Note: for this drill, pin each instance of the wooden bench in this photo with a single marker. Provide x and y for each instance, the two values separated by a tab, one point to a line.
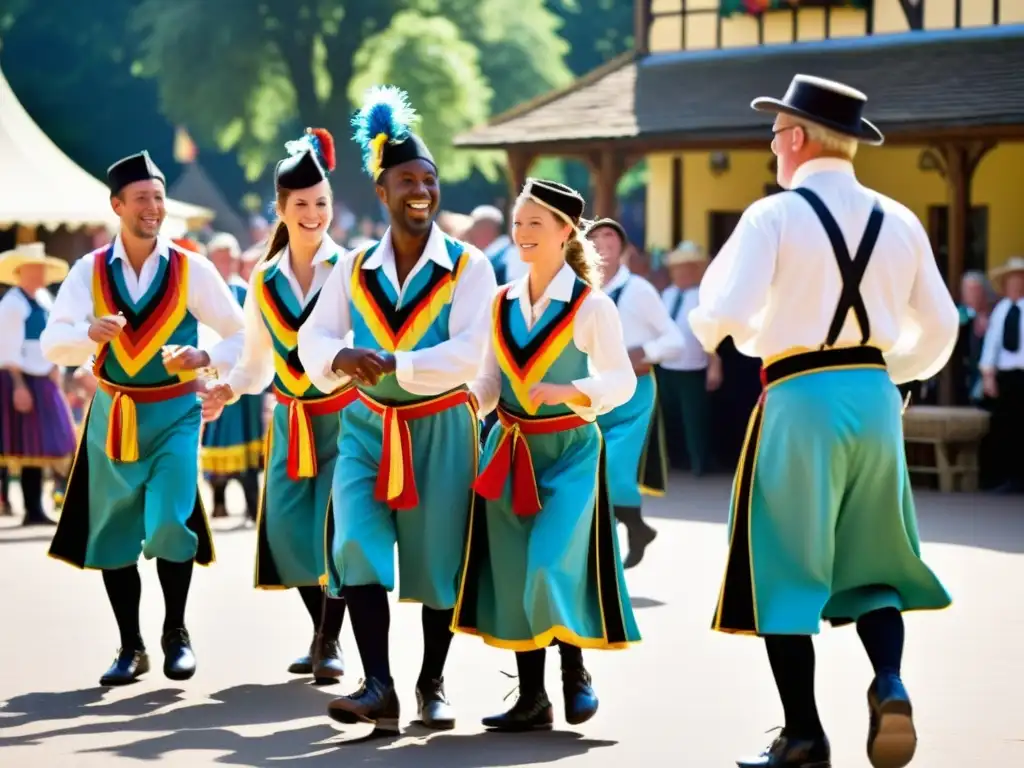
955	434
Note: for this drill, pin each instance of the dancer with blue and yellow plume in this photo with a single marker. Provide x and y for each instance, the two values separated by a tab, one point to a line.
302	441
135	307
233	442
542	563
407	319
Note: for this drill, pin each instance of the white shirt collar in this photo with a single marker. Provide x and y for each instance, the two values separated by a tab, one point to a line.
821	165
436	251
618	280
327	249
163	247
559	289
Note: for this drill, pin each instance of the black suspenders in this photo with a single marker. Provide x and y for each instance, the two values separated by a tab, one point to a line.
617	293
851	270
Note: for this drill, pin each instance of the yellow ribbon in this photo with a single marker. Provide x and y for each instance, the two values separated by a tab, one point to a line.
396	464
300	439
123	430
377	154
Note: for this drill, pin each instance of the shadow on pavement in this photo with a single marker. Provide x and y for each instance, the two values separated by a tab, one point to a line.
205	726
979	520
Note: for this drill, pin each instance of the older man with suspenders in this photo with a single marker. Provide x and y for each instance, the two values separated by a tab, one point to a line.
835	288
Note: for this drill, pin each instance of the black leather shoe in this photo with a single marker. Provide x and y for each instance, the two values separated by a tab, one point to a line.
785	752
179	660
640	537
304	664
432	705
375	702
580	700
328	661
892	739
127	667
531	712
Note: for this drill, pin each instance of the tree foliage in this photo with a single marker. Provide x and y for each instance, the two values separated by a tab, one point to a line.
428	58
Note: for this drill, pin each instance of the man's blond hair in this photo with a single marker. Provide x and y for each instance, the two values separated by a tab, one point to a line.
831	141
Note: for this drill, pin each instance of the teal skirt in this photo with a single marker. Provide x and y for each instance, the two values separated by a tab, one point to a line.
555	575
822	524
634	438
114	511
292	519
430	536
233	443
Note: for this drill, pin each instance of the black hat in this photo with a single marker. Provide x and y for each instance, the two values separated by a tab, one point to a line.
563	200
384	134
128	170
610	224
310	159
413	148
828	103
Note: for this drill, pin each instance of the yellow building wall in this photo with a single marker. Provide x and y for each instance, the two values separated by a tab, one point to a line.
667	32
893	171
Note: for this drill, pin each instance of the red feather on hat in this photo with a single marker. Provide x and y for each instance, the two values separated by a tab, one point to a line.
326	145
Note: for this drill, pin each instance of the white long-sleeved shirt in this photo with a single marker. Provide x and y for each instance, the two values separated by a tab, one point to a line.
66	338
426	372
775	285
679	303
994	357
255	369
597	332
645	321
15	350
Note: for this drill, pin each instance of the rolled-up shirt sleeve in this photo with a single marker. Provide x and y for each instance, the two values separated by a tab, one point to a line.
734	290
931	325
213	304
254	371
65	340
456	361
597	332
328	329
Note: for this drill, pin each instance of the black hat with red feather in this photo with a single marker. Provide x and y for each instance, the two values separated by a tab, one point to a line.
310	160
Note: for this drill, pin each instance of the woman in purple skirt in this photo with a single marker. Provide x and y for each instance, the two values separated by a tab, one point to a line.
35	422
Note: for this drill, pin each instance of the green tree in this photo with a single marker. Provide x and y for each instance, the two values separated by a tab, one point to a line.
427	57
246	76
596	31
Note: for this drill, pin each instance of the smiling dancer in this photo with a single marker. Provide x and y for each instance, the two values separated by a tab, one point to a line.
634	433
134	484
542	562
302	444
822	524
407	318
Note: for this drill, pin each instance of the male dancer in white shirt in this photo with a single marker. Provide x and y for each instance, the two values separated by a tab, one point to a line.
835	288
634	433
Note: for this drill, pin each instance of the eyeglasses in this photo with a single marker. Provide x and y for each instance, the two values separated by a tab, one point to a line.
783	129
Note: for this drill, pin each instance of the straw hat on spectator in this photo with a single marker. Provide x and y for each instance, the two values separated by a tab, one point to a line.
31	253
1013	264
687	252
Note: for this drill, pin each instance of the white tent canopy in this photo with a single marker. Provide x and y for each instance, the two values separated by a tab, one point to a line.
40	186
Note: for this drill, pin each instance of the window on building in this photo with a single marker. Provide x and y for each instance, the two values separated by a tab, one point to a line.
720	227
976	256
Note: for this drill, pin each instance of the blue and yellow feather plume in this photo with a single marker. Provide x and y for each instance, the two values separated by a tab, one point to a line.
385	118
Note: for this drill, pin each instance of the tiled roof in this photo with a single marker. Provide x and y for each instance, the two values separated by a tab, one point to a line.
914	82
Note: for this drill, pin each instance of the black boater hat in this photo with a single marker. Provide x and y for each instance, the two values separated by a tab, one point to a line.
413	148
558	198
128	170
310	160
828	103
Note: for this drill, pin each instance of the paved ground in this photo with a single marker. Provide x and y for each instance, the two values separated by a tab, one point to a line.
686	697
